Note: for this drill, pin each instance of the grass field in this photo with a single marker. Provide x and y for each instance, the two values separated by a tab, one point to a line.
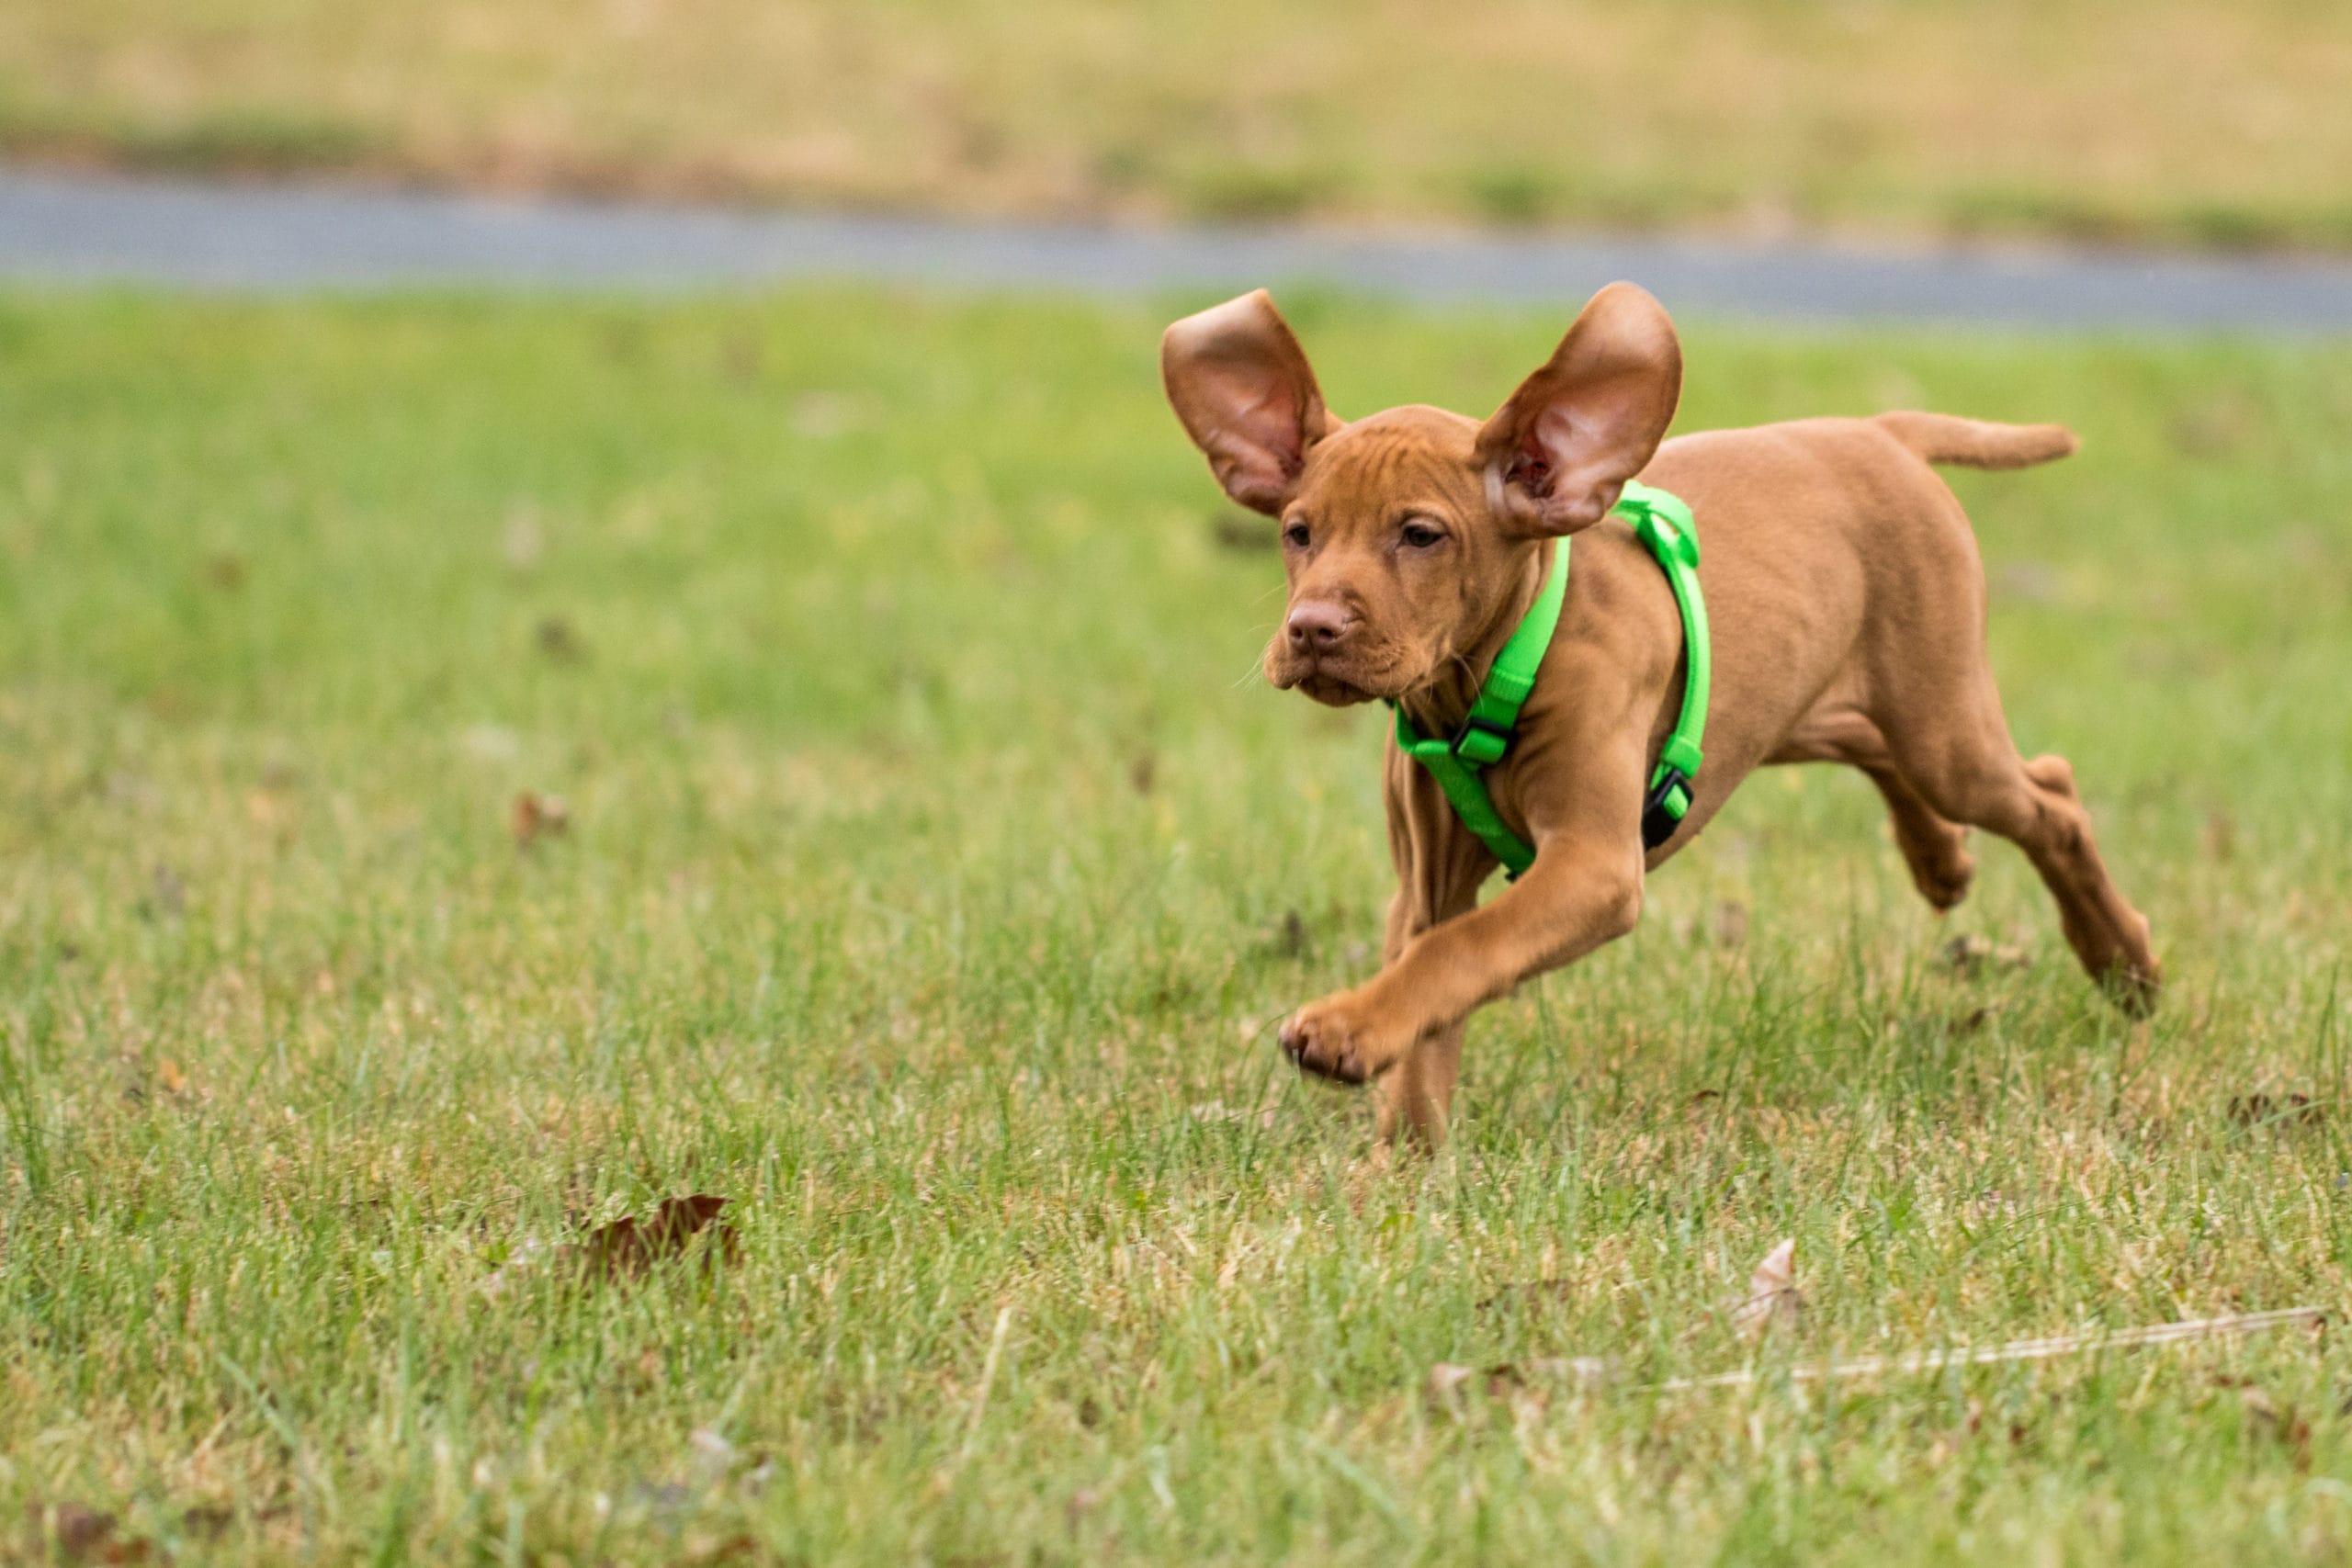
2168	119
934	863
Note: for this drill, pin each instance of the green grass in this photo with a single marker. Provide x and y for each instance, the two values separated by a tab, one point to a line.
2181	121
936	861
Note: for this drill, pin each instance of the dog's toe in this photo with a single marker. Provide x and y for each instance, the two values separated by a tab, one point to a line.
1322	1047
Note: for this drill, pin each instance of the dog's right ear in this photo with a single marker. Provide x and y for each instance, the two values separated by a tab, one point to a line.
1558	454
1242	387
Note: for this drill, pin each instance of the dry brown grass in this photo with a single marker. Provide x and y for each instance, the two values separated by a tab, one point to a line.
2164	117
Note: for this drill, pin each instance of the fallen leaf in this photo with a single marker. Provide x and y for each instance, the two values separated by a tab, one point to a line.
1772	1297
533	814
1974	955
84	1535
207	1521
1503	1379
625	1247
2267	1422
2261	1109
168	1074
1976	1018
1533	1290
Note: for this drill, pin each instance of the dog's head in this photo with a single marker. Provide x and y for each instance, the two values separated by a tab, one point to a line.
1406	534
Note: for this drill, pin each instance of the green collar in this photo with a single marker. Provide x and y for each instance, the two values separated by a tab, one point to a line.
1663	523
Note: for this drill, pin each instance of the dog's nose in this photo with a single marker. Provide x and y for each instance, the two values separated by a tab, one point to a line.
1315	626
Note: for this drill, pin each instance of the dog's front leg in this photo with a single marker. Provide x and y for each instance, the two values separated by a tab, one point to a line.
1581	892
1417	1094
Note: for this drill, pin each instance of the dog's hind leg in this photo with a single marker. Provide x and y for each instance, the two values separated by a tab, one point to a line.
1955	752
1935	848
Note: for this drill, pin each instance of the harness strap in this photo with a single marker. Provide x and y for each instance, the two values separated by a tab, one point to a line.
1664	524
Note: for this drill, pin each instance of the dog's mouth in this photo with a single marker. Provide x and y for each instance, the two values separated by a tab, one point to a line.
1332	692
1336	682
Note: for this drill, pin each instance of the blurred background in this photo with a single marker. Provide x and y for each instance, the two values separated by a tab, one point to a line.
2174	120
598	600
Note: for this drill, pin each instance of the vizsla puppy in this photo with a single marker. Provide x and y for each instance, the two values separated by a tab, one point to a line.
1848	610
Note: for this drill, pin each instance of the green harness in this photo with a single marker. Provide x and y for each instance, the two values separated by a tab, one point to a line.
1663	523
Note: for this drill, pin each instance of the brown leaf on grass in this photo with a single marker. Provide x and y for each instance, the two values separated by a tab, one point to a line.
533	814
168	1075
1448	1383
2266	1421
1974	955
82	1535
208	1521
1773	1301
627	1247
2262	1111
1531	1290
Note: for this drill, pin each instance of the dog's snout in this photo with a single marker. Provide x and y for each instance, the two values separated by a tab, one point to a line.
1317	626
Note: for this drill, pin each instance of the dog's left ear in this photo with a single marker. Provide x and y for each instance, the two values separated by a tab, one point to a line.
1559	452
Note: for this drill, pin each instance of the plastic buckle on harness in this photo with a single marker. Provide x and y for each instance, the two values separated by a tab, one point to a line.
1480	743
1667	802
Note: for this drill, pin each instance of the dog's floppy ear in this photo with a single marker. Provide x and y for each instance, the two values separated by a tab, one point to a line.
1558	453
1240	384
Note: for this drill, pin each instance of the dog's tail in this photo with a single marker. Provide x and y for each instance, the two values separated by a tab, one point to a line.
1976	443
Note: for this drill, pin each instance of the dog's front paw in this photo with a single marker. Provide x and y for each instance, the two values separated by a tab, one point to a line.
1342	1039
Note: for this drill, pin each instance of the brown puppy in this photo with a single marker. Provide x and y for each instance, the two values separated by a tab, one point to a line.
1848	611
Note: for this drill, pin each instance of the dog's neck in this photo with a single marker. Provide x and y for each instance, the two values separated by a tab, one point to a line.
1439	708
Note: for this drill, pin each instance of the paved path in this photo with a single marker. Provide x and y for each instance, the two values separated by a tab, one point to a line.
77	230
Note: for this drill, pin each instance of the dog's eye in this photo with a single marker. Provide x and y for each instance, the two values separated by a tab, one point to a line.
1419	535
1294	536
